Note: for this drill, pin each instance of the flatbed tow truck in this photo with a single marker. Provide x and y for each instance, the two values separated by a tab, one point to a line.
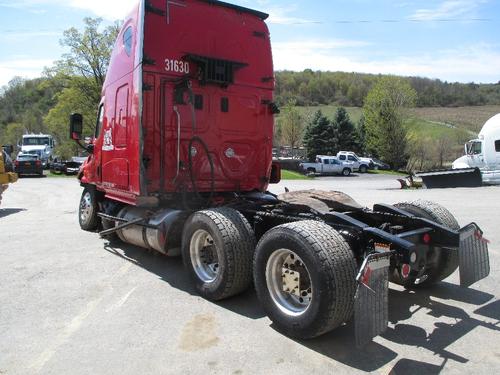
181	161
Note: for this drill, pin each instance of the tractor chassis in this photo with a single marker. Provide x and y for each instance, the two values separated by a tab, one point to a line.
384	240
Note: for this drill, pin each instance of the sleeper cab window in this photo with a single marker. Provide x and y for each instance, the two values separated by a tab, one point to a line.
128	36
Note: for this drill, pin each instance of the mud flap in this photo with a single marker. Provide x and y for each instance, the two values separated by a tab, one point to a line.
371	305
474	262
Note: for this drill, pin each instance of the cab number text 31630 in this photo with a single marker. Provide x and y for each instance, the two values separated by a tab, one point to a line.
176	66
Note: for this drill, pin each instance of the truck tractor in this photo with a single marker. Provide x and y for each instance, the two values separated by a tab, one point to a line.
181	162
7	175
41	145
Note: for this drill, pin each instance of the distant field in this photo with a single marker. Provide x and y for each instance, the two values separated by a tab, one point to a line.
462	123
469	118
429	129
434	121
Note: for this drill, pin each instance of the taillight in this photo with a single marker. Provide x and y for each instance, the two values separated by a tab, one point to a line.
17	163
427	238
38	163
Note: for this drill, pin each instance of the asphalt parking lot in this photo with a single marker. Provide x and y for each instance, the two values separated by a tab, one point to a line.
71	303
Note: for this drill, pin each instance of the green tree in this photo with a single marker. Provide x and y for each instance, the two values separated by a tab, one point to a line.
345	130
11	134
361	136
291	124
385	111
82	73
320	137
89	51
68	101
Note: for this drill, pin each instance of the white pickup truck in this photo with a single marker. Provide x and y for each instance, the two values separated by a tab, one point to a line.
328	165
359	164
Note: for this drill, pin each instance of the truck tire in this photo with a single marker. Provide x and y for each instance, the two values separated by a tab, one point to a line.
87	211
217	248
326	285
311	170
363	168
110	208
447	261
346	172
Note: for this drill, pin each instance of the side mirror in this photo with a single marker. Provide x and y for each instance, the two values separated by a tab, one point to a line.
75	126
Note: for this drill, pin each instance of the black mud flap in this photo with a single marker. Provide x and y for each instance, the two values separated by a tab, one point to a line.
371	306
473	255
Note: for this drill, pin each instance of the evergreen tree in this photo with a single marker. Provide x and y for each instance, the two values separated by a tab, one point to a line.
346	130
361	136
385	111
320	137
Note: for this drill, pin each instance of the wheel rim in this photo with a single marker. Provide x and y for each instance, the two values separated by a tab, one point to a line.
86	207
289	282
204	256
346	172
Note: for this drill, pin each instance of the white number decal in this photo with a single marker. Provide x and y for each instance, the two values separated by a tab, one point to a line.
176	66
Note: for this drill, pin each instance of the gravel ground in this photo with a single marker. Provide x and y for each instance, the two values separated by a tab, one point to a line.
70	303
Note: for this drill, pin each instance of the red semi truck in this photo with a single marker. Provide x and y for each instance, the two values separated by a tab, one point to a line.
181	161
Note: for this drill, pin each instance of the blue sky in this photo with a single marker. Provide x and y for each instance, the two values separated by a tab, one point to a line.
453	40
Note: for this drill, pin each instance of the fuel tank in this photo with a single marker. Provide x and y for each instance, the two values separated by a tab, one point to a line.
162	230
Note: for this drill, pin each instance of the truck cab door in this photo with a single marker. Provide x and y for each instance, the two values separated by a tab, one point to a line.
325	163
336	166
475	154
114	156
355	161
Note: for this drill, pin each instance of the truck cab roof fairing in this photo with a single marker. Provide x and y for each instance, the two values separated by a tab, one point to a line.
263	16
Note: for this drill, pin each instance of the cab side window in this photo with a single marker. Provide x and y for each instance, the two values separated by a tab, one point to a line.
342	157
100	119
128	36
326	161
352	158
497	146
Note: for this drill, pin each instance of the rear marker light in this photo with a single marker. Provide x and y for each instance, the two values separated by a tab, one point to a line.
405	271
480	237
427	238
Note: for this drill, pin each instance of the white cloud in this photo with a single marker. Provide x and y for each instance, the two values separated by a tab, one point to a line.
23	67
282	16
109	9
448	9
476	63
22	36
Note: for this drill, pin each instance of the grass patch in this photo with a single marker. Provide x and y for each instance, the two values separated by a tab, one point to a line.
392	173
428	129
289	175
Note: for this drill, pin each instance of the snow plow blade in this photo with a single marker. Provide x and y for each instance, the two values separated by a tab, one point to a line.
474	262
371	305
452	178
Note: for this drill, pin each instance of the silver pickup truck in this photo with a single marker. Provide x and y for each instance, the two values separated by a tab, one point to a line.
328	165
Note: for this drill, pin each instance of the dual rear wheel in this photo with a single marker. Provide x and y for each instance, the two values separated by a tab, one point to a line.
304	273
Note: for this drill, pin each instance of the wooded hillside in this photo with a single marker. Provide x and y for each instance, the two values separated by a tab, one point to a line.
310	88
